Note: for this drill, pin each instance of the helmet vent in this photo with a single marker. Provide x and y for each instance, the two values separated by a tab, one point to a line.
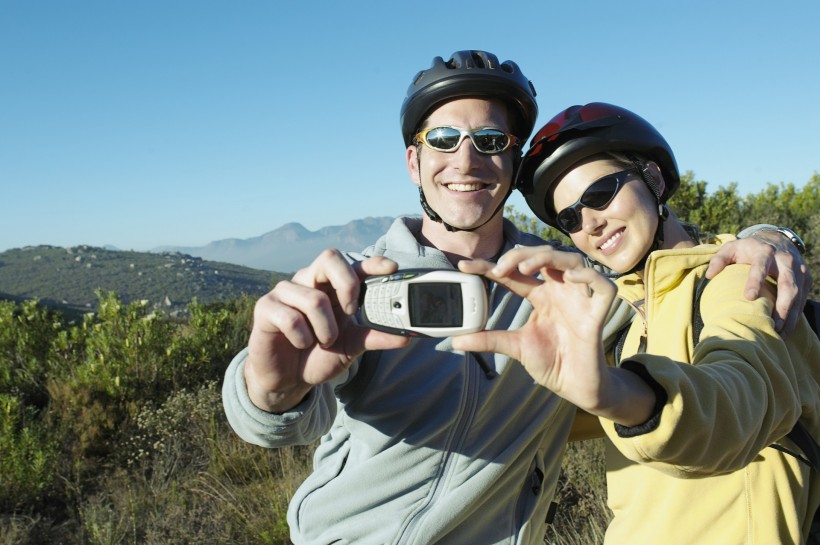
478	60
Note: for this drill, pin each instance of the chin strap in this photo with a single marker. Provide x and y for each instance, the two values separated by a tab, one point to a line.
517	158
435	217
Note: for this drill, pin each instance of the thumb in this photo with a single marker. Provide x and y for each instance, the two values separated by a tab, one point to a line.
500	342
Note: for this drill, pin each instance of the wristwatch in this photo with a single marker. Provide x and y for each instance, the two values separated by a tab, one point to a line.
793	238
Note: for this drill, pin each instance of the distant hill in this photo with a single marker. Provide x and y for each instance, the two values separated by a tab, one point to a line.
66	278
290	247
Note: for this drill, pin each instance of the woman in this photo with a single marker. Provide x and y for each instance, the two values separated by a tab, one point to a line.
689	416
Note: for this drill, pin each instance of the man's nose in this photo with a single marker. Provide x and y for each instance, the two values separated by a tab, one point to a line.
466	154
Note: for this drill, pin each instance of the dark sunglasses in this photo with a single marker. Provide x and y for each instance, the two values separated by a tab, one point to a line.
597	196
447	139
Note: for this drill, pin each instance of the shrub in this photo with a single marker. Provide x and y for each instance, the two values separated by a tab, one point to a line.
28	456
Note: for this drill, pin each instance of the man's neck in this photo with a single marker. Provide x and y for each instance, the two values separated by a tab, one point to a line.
483	243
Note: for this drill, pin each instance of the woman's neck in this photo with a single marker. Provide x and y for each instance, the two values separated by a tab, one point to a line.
675	236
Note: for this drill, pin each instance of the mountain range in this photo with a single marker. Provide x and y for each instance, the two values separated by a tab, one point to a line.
289	247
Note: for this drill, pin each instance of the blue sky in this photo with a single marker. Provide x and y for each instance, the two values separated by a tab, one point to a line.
147	123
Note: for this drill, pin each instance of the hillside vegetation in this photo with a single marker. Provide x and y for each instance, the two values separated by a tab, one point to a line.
111	424
69	278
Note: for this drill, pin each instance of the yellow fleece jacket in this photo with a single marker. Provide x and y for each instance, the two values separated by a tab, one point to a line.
701	471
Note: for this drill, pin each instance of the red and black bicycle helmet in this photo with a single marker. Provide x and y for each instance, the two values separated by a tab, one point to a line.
580	132
469	73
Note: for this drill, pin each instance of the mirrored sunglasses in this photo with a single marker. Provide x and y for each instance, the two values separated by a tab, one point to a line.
597	196
447	139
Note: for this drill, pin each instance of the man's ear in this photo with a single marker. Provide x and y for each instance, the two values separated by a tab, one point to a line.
654	171
412	157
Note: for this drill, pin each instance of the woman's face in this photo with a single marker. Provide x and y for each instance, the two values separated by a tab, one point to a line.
620	234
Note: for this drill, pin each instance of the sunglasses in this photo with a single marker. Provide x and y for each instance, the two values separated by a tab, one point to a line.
597	196
447	139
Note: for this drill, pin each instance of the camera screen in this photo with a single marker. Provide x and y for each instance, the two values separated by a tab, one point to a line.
435	304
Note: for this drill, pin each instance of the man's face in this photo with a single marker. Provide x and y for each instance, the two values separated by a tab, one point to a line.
463	187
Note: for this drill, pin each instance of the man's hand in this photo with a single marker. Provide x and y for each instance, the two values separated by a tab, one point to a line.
304	334
770	254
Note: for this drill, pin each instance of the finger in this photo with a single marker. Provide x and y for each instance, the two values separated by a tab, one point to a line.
379	340
802	279
519	284
374	266
272	317
786	311
357	339
318	270
598	284
719	262
512	258
805	280
496	341
301	313
483	268
559	260
760	265
529	260
475	266
348	293
332	273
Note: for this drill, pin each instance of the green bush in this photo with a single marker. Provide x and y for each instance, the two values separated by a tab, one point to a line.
28	456
26	333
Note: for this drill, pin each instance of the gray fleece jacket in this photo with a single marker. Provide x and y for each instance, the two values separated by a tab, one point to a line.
418	445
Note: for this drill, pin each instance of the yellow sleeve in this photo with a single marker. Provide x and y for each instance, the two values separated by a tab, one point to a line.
744	389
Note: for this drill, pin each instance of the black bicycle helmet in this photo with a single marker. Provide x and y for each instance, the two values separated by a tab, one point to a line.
469	73
580	132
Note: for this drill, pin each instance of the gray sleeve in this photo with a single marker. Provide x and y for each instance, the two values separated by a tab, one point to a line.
620	313
299	426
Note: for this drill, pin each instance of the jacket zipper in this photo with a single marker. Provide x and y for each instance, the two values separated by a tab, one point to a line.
464	419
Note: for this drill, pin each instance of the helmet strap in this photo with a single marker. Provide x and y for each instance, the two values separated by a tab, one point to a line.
435	217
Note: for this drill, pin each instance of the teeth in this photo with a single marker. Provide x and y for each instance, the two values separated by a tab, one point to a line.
611	241
464	187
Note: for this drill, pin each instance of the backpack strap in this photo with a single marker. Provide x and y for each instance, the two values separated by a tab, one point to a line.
812	313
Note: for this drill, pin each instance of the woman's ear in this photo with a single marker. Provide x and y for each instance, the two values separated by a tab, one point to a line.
412	158
653	171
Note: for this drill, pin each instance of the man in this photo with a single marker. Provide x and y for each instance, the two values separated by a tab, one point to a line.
420	443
